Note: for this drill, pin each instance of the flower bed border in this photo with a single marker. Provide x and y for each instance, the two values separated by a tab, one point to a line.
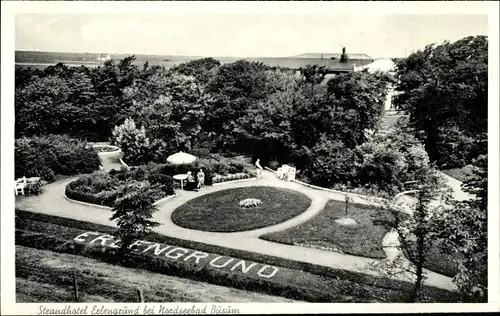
233	181
252	177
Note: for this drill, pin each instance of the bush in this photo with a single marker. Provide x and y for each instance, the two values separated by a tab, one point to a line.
165	181
274	164
103	188
47	156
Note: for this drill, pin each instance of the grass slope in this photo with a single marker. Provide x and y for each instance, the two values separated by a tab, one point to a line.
45	276
220	211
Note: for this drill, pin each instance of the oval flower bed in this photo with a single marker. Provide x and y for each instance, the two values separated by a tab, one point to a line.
103	188
105	149
221	212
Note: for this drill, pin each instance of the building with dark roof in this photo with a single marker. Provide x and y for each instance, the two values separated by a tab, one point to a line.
331	61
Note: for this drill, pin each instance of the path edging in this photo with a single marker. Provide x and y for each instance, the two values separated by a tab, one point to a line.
331	190
123	163
87	204
110	208
165	199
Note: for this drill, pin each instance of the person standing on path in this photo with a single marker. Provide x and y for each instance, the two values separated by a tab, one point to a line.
259	168
201	179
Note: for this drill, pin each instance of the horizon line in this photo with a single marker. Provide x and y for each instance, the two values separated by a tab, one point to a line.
190	55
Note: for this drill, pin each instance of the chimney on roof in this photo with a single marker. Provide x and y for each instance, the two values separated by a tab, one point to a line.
343	57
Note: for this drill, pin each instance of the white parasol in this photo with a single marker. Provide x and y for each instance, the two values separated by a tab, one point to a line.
181	158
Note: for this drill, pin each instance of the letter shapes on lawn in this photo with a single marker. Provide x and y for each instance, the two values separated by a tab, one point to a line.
212	263
178	254
197	255
267	276
244	268
80	238
103	239
157	249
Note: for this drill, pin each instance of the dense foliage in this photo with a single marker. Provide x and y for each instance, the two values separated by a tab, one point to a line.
203	107
47	156
444	88
133	213
465	230
105	188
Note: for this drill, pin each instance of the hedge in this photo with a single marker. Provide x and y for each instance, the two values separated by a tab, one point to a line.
394	290
48	156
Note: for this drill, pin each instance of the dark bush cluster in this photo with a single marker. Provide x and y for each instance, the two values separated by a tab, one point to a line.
103	188
47	156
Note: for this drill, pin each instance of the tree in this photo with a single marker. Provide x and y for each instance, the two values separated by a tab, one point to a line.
314	74
445	87
418	231
132	141
465	230
266	124
56	104
331	163
235	87
202	69
170	106
357	99
133	212
380	164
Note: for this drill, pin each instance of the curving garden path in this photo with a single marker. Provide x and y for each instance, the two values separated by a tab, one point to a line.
53	202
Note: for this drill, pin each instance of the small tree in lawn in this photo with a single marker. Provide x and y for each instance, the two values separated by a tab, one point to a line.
417	229
133	212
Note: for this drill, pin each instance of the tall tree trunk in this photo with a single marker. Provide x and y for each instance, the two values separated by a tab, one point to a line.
419	267
431	144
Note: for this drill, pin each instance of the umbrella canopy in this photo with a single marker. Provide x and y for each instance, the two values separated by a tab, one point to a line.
181	158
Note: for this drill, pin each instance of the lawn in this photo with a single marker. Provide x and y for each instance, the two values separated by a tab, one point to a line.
45	276
220	211
459	173
364	239
299	280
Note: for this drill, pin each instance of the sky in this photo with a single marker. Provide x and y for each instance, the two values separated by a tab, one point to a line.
236	35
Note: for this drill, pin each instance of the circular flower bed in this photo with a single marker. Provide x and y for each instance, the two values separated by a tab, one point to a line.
247	203
106	149
221	212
